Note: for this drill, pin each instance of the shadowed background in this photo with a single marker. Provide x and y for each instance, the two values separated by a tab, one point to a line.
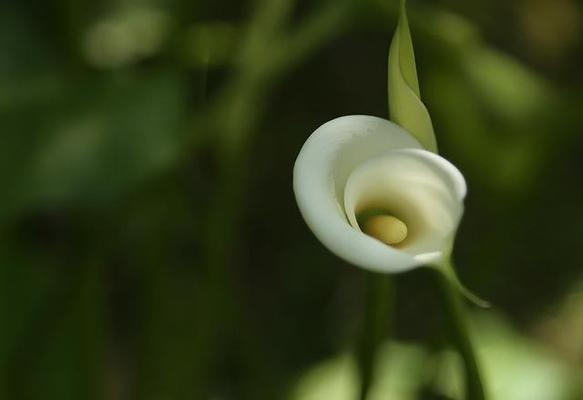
151	247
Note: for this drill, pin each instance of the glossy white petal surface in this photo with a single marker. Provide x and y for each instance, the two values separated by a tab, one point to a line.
354	163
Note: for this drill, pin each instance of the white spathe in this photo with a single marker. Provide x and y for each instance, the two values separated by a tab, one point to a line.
357	163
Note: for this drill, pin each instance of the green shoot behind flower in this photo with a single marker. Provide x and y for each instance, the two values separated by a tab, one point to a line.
405	105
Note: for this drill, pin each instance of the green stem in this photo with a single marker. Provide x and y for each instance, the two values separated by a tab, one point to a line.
375	326
458	329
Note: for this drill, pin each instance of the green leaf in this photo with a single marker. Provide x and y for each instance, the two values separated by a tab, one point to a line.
405	105
88	146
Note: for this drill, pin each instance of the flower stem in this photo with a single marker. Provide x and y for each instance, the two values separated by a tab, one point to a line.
375	326
458	330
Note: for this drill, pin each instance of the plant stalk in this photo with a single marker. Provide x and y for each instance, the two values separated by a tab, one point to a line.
460	335
375	326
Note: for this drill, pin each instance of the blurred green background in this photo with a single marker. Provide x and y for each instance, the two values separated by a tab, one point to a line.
151	247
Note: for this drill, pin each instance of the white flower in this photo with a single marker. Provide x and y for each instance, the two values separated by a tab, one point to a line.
374	197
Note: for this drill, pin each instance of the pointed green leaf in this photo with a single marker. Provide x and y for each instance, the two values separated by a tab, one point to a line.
448	270
405	105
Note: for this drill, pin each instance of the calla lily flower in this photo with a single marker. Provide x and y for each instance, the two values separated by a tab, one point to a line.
375	192
374	197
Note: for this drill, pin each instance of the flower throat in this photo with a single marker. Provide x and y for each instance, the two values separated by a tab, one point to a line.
383	226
